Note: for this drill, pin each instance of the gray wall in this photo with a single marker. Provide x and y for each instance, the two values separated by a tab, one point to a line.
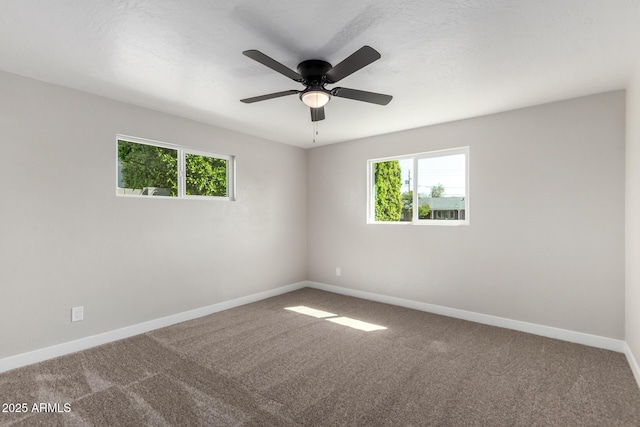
633	218
545	242
67	240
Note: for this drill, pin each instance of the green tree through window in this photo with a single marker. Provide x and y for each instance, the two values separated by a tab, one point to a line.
206	176
144	166
388	181
437	190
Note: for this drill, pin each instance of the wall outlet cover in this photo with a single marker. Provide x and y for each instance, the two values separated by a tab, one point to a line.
77	314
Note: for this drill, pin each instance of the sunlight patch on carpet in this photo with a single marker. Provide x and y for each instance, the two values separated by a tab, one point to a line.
345	321
356	324
311	311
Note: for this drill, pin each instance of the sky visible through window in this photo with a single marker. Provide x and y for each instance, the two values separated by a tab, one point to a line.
446	170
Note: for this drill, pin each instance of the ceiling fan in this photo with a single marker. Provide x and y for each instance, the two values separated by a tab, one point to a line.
315	74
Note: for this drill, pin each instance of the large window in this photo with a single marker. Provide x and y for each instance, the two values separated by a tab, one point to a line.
149	168
437	183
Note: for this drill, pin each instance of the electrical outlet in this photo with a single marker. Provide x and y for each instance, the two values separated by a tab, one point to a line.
77	314
338	271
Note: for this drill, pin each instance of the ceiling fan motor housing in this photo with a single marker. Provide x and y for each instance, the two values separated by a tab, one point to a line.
313	71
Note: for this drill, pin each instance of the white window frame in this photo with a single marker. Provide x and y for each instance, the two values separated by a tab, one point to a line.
182	179
414	187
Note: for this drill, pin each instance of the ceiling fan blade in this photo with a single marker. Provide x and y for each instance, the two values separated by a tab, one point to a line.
256	55
359	59
317	114
361	95
269	96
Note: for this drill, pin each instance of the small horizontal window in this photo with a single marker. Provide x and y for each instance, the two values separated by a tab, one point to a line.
147	168
434	182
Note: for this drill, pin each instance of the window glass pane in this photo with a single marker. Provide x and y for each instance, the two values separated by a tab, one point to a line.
205	176
147	169
406	189
393	198
442	187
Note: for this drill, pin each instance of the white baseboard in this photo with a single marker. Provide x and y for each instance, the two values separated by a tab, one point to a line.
532	328
40	355
632	362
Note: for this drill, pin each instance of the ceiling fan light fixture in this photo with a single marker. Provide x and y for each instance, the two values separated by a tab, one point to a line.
315	98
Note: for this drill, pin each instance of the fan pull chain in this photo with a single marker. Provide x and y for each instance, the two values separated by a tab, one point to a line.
315	131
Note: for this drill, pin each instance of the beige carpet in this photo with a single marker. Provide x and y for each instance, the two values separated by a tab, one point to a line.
261	364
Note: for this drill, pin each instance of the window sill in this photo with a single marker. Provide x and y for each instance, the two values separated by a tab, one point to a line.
445	223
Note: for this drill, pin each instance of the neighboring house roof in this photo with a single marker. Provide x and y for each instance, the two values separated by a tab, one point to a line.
442	203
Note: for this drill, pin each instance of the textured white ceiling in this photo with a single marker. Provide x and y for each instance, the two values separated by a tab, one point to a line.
441	60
